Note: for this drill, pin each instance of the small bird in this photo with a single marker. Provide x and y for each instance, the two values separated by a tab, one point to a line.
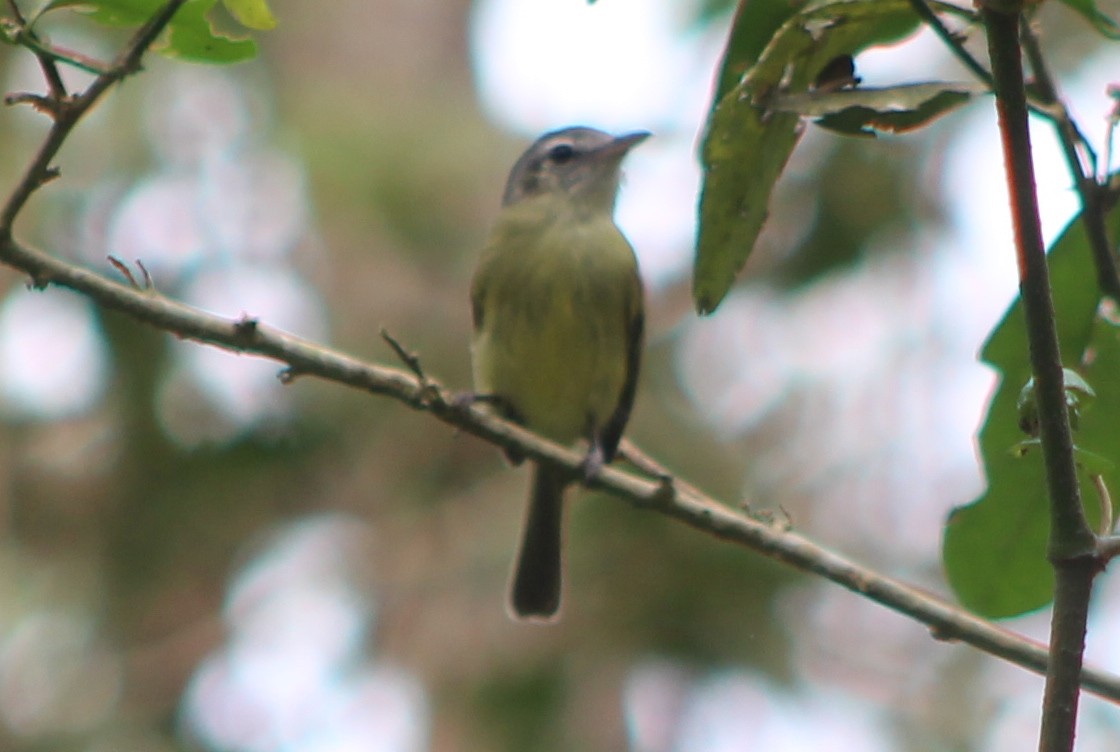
558	314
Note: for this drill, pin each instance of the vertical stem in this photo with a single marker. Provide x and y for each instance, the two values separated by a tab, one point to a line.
1073	586
1072	543
1071	535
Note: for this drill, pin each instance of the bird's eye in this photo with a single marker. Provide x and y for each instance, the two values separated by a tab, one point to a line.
561	153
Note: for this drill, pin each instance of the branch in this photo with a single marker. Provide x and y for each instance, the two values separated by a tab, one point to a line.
1072	545
665	494
301	357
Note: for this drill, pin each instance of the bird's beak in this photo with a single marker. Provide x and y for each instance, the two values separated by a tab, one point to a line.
624	143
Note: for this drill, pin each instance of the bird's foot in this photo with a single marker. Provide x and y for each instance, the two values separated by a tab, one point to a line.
592	463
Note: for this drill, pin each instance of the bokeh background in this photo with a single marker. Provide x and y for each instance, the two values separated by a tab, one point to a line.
196	557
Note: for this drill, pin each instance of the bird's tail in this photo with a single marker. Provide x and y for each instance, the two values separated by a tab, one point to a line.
537	578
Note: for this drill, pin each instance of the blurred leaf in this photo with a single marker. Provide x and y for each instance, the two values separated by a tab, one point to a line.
191	34
194	38
1104	24
253	14
893	109
637	576
708	11
860	193
995	548
748	143
743	155
112	12
517	705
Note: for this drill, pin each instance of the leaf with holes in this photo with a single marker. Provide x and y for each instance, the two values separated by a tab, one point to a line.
748	142
893	109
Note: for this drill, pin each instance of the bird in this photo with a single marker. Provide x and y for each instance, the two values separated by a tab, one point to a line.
557	307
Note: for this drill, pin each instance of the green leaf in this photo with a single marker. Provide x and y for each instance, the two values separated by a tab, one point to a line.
1092	463
253	14
994	549
748	142
1106	25
753	27
893	109
112	12
192	37
1076	383
191	34
1078	395
744	153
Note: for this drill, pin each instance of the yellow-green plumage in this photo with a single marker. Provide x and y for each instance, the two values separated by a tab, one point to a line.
558	300
558	312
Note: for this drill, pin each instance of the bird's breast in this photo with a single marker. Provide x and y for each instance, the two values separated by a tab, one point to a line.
556	321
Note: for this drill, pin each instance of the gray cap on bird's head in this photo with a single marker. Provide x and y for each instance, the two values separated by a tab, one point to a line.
581	163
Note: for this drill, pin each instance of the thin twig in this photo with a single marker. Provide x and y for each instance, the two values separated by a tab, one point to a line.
1081	161
630	452
69	110
28	38
1046	108
1105	500
148	283
1108	548
951	40
1113	116
44	104
410	359
429	392
122	267
50	54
